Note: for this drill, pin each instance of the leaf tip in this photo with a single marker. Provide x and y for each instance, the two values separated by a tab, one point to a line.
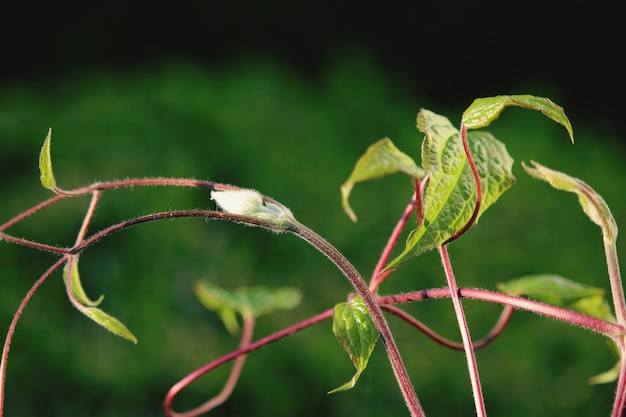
45	164
346	188
110	323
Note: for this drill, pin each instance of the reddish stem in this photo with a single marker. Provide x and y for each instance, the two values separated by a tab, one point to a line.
95	197
32	244
470	355
16	317
220	215
497	329
619	404
229	386
180	385
30	212
606	328
378	276
144	182
479	187
360	286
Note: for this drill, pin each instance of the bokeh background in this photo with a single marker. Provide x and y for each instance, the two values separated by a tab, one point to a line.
284	97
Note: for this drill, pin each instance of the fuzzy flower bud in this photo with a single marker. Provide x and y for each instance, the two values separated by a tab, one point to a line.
250	203
243	202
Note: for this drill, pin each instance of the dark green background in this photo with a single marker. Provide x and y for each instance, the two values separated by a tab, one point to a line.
263	119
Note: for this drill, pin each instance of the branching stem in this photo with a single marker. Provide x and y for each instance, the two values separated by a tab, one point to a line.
378	276
243	350
612	330
229	386
375	311
497	329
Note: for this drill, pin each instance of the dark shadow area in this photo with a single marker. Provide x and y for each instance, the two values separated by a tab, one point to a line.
450	52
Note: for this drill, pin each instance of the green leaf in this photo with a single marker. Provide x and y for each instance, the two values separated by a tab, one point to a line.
80	300
381	159
356	332
562	292
254	301
108	322
45	164
449	197
77	286
592	203
607	376
485	110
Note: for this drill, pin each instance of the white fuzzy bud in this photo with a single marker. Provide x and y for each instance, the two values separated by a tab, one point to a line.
244	202
250	203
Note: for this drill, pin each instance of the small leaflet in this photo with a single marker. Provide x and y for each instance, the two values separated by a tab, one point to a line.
45	164
357	334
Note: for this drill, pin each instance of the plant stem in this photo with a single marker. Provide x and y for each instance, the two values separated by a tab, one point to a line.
497	329
31	211
243	350
619	404
374	309
229	386
143	182
479	187
95	197
606	328
16	317
378	276
32	244
615	279
465	334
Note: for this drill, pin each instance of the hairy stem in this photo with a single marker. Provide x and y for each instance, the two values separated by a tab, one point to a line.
229	386
133	182
36	245
375	311
378	276
619	404
470	355
606	328
496	331
243	350
615	279
95	197
143	182
16	317
31	211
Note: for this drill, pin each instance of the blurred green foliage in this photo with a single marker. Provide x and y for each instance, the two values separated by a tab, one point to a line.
259	124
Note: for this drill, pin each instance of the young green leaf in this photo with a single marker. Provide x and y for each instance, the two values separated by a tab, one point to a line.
562	292
108	322
254	301
45	164
606	377
77	286
356	332
592	203
485	110
449	197
80	300
381	159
